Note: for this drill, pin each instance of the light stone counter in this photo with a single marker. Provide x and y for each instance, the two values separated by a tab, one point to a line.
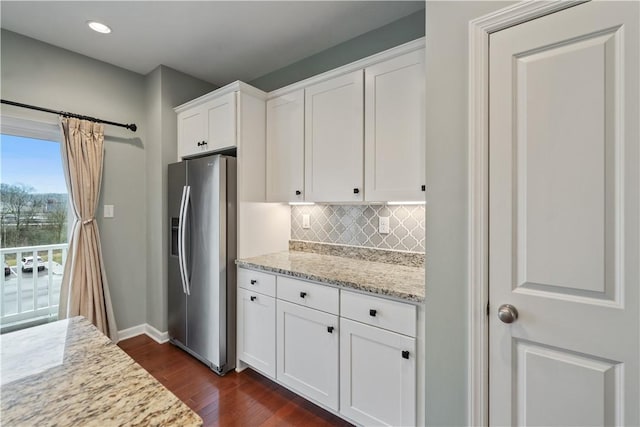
385	279
67	373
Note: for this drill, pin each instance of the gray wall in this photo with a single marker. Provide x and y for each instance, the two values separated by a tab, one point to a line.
134	177
447	210
36	73
166	88
403	30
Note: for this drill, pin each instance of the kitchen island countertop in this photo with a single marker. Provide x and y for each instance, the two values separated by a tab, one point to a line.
67	373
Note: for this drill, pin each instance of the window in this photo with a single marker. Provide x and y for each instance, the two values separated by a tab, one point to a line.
34	218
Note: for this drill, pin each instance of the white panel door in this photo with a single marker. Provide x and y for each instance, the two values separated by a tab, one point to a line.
220	114
256	338
308	352
377	375
285	148
334	139
563	218
395	129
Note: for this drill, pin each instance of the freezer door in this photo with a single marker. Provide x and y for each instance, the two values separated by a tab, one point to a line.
176	297
206	267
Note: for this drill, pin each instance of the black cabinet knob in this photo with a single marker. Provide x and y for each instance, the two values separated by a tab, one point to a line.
298	192
254	281
424	188
373	312
303	294
356	190
405	354
253	298
330	329
204	142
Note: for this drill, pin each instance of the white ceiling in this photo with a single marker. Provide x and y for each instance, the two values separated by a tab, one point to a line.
217	41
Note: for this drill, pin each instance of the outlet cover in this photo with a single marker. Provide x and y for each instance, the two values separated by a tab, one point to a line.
383	225
108	211
305	221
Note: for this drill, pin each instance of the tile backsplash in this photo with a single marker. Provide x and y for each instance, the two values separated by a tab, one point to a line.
357	225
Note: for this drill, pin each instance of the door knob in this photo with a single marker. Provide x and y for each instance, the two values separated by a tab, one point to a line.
507	313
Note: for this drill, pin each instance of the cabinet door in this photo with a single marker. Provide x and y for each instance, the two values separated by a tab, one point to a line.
257	331
191	132
395	129
285	148
334	113
220	115
377	379
308	352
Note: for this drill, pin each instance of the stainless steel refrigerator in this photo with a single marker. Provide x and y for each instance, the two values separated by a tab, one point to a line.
202	251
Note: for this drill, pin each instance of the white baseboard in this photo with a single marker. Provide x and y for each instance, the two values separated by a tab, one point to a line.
145	328
134	331
156	335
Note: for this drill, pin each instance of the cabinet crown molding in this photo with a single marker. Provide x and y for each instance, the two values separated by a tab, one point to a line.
353	66
236	86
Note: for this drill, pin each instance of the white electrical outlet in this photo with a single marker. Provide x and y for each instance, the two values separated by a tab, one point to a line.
108	211
305	221
383	224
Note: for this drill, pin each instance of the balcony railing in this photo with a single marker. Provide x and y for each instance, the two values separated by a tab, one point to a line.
31	293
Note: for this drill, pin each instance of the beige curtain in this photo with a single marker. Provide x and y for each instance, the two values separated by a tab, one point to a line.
84	288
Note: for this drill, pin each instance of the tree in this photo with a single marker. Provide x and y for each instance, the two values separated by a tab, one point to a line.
58	219
19	207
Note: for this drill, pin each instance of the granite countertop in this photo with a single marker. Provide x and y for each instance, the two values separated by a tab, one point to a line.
385	279
67	373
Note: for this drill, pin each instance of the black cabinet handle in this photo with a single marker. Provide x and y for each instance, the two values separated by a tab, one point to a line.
356	190
303	294
424	188
202	143
330	329
298	192
405	354
373	312
254	281
253	298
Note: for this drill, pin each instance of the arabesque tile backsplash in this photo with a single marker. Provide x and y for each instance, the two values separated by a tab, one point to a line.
357	225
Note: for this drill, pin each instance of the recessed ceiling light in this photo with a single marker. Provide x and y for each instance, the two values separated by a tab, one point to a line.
99	27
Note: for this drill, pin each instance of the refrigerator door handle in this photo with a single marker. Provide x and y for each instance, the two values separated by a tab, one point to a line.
187	285
180	237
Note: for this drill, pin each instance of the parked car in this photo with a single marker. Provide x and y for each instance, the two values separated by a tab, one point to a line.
7	269
27	264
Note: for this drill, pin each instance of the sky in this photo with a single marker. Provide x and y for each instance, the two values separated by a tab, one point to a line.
32	162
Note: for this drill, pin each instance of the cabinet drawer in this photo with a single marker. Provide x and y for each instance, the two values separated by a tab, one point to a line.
375	311
308	294
256	281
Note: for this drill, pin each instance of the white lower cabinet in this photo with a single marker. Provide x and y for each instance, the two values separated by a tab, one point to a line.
307	352
350	352
377	375
256	340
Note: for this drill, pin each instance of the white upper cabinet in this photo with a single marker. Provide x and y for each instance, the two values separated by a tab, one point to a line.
208	127
285	148
334	114
395	129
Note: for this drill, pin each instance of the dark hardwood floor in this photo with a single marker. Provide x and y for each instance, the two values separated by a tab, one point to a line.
237	399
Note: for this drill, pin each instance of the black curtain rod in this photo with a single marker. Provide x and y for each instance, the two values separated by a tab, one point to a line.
131	127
